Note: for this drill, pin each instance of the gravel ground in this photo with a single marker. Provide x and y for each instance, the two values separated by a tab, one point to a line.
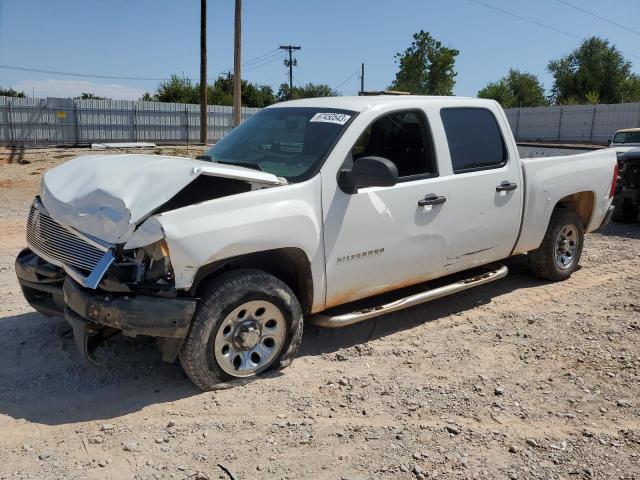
520	379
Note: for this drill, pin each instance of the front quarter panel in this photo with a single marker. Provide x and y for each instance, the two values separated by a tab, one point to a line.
288	216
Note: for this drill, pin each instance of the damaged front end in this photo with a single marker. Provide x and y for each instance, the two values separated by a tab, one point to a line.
97	254
101	289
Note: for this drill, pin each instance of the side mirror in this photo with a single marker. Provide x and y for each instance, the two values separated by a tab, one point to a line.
368	172
610	141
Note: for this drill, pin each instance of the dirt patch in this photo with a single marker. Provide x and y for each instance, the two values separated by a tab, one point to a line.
517	379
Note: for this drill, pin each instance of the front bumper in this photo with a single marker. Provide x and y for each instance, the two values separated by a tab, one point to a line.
92	313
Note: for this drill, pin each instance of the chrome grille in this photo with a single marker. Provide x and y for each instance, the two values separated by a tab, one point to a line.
51	239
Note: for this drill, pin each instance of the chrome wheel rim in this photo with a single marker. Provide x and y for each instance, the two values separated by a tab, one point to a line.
566	246
249	338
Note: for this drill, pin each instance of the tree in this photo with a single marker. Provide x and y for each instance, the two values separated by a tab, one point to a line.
517	89
310	90
220	92
426	67
500	92
631	89
175	90
89	96
10	92
596	69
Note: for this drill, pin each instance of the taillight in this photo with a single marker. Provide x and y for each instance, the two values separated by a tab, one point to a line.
614	181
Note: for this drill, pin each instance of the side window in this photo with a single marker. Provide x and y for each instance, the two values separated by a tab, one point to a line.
474	138
402	137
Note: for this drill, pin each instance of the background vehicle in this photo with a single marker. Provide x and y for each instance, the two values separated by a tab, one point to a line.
627	199
625	140
321	208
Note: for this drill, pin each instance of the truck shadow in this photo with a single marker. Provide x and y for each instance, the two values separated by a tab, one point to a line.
322	340
625	230
43	379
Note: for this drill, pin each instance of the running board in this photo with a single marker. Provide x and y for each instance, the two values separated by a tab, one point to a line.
337	321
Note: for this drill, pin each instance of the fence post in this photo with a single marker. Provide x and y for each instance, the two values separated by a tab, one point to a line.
13	133
593	123
135	122
559	125
77	121
517	135
186	124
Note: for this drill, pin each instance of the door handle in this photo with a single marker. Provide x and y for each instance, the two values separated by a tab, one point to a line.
432	199
506	187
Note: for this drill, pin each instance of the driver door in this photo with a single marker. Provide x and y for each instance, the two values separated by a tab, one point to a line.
380	238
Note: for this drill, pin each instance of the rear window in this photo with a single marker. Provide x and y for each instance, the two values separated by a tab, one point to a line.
627	137
474	138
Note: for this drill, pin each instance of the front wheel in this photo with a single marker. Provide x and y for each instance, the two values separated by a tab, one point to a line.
558	255
247	323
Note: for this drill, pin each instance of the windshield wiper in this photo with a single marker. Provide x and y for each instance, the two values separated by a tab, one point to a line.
251	165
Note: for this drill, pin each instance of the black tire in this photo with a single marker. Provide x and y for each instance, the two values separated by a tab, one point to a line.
542	261
219	298
625	213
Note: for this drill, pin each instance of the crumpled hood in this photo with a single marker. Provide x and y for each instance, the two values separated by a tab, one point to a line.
107	195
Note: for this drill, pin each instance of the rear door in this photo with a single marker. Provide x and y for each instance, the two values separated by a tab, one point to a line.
486	189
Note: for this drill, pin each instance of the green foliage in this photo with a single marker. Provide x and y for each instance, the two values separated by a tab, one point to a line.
500	92
631	89
89	96
10	92
592	98
220	92
175	90
517	89
310	90
426	67
596	69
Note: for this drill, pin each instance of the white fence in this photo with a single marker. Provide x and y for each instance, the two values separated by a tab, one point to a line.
65	121
572	123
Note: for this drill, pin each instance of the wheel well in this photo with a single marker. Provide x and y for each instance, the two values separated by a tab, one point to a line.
290	265
582	203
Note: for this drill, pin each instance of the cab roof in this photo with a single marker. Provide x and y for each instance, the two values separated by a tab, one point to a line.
361	103
629	130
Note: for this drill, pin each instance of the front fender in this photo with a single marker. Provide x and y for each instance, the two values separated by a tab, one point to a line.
266	219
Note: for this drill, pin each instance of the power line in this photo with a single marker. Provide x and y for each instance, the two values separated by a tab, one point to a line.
525	19
75	74
535	22
272	54
349	78
599	17
265	62
264	56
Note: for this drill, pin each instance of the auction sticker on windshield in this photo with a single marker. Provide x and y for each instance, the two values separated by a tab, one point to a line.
339	118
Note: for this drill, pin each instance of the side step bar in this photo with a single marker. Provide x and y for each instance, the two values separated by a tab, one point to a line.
337	321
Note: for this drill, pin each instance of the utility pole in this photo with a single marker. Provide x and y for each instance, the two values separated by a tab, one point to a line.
237	78
290	63
203	72
361	77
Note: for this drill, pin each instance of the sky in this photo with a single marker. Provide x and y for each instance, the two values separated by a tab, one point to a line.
154	38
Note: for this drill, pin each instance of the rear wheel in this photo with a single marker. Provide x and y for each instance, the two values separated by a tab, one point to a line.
559	253
247	323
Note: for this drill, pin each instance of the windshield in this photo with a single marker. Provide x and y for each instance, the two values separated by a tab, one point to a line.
289	142
627	137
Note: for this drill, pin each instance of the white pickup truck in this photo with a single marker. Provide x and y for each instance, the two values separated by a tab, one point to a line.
323	209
